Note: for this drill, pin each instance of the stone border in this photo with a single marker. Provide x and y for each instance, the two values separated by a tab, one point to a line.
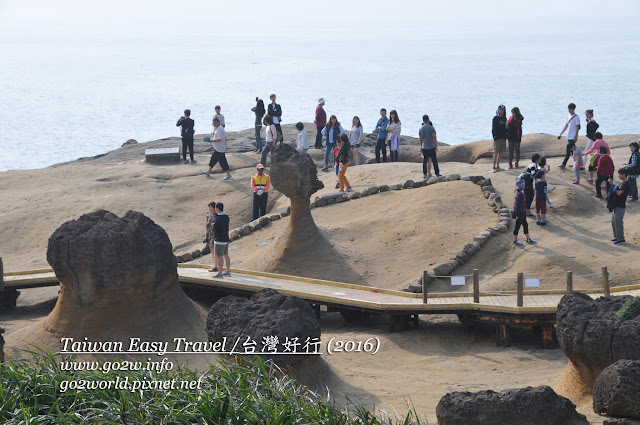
504	219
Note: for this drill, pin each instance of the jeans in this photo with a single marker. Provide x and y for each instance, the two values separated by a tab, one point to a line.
381	146
394	155
342	178
259	204
329	151
576	172
258	138
319	137
616	222
514	148
599	181
633	188
568	154
430	153
269	147
187	144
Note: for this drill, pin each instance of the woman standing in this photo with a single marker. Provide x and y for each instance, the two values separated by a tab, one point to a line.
333	130
208	234
272	138
592	127
633	169
393	135
343	163
514	135
259	111
355	138
499	130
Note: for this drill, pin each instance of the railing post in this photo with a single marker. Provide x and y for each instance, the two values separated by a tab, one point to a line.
569	282
605	281
476	286
425	280
520	289
1	276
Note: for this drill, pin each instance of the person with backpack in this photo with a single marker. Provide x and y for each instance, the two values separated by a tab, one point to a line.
604	171
187	131
633	170
514	136
519	213
528	177
573	124
592	127
616	203
499	131
259	111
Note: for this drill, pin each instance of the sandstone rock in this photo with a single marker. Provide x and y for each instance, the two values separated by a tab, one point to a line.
179	259
255	225
441	179
463	257
364	192
266	314
476	179
264	220
417	184
245	230
186	257
416	288
384	188
129	143
452	177
502	228
373	190
443	269
523	406
206	250
233	234
196	253
354	195
274	217
432	180
408	183
396	186
616	391
466	178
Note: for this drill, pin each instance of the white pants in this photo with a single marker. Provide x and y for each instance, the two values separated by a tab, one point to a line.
585	158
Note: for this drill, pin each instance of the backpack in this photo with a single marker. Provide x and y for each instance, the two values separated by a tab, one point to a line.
612	198
594	160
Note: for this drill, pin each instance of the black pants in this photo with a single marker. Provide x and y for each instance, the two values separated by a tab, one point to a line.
528	197
221	158
521	222
430	153
259	205
568	154
187	144
279	129
393	154
599	181
381	146
319	137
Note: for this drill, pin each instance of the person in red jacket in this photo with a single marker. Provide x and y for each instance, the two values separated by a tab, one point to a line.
605	171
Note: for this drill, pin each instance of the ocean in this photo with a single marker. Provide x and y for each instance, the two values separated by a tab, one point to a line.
70	98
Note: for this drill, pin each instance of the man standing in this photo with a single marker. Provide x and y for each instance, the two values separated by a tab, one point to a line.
186	131
429	147
275	112
219	141
320	122
381	142
219	116
620	191
260	184
573	124
221	240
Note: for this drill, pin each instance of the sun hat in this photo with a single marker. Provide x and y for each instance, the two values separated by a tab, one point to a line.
260	166
321	100
519	184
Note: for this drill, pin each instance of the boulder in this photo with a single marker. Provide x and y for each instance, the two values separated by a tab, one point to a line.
431	180
453	263
285	213
617	422
186	257
264	220
206	250
443	269
480	239
354	195
321	203
261	318
441	179
466	178
416	288
502	228
486	195
476	179
490	189
452	177
196	253
470	248
481	183
129	143
616	391
364	192
373	190
384	188
417	184
408	183
463	257
233	234
274	217
396	186
255	225
245	230
523	406
179	259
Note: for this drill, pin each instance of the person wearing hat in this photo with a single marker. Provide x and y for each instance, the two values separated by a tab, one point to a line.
499	130
519	213
260	184
320	122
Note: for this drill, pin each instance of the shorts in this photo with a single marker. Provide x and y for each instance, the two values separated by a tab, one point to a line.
541	206
593	167
221	250
499	145
221	158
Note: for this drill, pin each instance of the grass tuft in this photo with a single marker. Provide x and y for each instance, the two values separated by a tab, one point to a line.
630	310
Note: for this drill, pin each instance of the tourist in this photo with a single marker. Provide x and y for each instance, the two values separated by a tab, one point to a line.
428	147
547	169
343	162
541	198
617	206
528	177
303	139
593	165
499	131
320	121
633	169
381	141
208	234
356	136
221	240
259	111
219	142
336	165
519	213
393	134
592	127
595	148
275	112
260	184
333	130
573	124
514	136
218	116
604	171
186	131
271	137
577	163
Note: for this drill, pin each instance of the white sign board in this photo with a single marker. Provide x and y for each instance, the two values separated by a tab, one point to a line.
457	280
532	283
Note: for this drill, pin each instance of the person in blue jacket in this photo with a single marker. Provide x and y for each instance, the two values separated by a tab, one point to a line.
333	130
381	129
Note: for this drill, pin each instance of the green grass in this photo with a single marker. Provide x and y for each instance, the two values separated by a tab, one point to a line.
630	310
251	392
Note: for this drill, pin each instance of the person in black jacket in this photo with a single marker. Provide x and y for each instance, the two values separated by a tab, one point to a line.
592	127
275	111
259	111
499	130
221	240
514	136
343	162
186	131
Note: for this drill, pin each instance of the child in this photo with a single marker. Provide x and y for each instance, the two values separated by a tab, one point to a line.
528	177
593	166
336	150
546	168
520	214
303	139
577	163
541	201
604	171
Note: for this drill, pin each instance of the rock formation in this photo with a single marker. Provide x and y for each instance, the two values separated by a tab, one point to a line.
265	315
523	406
591	339
616	392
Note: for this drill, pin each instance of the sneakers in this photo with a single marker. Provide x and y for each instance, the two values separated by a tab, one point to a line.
562	165
425	177
218	275
538	222
550	204
633	200
545	221
590	180
325	168
576	182
517	242
226	274
599	197
337	185
614	240
622	242
206	173
531	214
531	241
517	165
193	161
510	166
349	189
186	161
227	177
213	269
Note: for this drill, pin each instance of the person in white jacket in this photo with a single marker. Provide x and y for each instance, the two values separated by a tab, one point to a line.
303	139
356	136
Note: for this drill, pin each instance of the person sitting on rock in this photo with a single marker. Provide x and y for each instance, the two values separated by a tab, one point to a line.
260	184
221	240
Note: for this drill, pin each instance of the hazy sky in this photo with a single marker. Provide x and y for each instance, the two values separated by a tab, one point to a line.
328	18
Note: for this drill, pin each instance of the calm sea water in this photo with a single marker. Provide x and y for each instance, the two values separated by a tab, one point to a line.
66	99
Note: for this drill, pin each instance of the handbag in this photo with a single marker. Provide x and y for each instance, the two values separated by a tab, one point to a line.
394	142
